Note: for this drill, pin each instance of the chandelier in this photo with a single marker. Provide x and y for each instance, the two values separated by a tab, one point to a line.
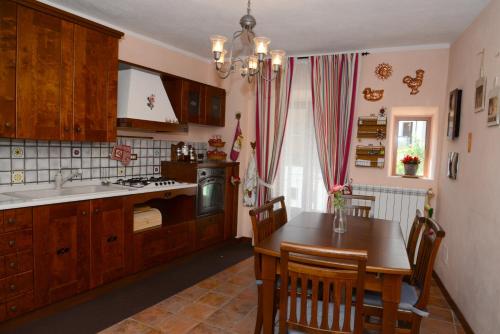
249	59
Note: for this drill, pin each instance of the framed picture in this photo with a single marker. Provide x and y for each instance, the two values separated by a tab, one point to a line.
493	103
480	95
452	165
454	108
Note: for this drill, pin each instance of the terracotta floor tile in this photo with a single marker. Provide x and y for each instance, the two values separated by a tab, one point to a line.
241	280
247	324
460	330
240	306
192	293
209	283
173	304
214	299
439	313
197	311
129	326
249	293
438	301
224	319
207	329
177	324
433	326
152	316
229	289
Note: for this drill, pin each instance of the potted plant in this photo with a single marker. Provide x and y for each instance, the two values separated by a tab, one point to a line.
410	164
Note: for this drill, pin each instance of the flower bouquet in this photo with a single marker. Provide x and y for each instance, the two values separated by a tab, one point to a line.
410	164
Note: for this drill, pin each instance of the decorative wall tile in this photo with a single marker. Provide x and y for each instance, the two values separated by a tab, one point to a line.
17	152
17	176
120	171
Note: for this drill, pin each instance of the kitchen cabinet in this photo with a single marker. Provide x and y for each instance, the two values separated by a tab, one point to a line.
58	74
215	105
111	240
61	250
195	102
95	84
231	202
8	48
209	230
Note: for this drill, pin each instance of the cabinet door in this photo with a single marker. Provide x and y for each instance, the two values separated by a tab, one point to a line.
110	241
96	73
8	46
61	250
193	99
44	76
231	203
209	230
173	86
215	106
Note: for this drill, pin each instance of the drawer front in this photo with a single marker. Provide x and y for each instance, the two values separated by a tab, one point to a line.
16	241
17	219
15	285
16	263
209	230
17	306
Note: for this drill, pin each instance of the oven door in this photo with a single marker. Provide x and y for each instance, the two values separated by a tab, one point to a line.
210	199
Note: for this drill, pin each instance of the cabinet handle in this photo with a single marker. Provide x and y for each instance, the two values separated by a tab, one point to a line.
12	243
13	308
84	213
12	287
96	210
62	251
12	264
78	129
11	221
112	238
8	125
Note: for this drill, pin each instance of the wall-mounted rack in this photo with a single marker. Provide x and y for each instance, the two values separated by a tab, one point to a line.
370	156
372	127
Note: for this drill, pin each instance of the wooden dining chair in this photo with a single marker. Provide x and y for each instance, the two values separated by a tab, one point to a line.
362	207
414	297
327	306
415	231
265	220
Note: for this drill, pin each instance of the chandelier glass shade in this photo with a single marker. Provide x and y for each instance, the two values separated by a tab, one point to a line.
249	59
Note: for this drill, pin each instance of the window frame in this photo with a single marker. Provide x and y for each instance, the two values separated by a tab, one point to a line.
427	148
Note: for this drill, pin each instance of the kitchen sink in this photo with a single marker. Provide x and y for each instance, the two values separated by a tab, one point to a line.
68	191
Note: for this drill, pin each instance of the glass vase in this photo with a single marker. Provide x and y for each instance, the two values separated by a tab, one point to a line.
340	220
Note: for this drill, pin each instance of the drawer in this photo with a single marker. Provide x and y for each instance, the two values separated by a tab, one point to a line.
16	285
209	230
16	219
16	263
16	241
16	306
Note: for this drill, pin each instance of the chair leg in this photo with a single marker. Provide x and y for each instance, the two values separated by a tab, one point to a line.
260	320
415	324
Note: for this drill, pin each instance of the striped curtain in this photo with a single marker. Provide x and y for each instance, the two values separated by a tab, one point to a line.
272	101
334	84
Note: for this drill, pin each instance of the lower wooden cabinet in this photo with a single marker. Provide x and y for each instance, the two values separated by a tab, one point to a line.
61	250
159	245
111	240
209	230
16	306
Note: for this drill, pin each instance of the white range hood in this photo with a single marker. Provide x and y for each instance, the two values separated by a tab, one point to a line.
142	96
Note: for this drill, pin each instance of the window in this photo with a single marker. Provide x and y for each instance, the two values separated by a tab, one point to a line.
411	137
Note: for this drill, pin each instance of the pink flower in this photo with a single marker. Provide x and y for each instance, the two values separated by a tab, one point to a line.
338	188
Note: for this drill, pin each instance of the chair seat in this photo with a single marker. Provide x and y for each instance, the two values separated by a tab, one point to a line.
320	313
408	299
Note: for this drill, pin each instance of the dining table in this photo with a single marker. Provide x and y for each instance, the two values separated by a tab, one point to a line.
386	266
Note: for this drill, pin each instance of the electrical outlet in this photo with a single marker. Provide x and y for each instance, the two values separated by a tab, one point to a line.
121	171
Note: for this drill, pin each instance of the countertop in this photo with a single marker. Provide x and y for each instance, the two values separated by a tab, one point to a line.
9	202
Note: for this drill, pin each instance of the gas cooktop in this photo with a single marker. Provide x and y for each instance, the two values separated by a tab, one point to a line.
141	182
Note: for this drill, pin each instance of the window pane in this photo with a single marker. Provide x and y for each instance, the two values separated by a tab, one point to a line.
411	140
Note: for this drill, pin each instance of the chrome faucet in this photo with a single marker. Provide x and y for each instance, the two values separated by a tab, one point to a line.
60	180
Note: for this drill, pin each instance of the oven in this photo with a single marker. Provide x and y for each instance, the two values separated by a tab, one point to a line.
211	187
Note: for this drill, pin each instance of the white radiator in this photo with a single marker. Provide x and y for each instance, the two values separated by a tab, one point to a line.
397	204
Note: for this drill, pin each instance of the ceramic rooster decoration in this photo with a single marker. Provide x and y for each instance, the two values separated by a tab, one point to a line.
373	95
414	83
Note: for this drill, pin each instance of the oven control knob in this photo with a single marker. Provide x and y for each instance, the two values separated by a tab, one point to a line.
156	183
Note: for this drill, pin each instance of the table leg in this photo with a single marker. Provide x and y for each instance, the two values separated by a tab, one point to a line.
391	291
268	278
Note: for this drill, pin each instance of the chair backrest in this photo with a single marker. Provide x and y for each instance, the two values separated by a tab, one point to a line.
430	241
415	230
362	207
280	215
266	220
328	308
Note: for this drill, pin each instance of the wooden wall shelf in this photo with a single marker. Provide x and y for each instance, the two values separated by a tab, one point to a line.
372	127
370	156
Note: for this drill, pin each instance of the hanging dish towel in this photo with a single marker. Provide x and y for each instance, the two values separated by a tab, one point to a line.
237	141
250	184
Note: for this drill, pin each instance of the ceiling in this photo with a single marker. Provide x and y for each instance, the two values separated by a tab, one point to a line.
297	26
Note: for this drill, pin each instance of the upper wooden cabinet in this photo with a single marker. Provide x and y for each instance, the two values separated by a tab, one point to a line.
194	102
58	74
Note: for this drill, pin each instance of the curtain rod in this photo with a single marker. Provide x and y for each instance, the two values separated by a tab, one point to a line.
362	53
